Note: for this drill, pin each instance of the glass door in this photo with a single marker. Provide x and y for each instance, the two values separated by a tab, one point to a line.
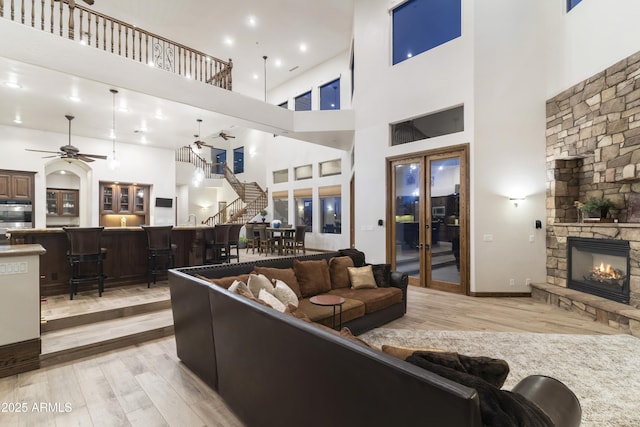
429	236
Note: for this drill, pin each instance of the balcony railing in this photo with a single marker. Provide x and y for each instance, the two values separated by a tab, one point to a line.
76	22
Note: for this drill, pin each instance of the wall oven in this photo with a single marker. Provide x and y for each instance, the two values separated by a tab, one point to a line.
15	214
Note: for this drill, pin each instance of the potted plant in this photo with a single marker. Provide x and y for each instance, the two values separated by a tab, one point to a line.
263	214
600	206
242	242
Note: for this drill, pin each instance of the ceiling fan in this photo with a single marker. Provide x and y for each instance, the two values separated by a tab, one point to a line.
224	135
198	143
69	151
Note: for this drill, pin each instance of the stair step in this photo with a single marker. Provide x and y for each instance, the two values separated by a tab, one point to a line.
80	341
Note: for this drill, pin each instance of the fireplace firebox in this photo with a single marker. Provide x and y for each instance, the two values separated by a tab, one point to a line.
599	267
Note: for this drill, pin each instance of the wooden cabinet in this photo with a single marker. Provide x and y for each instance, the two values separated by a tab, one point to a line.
123	199
16	185
62	202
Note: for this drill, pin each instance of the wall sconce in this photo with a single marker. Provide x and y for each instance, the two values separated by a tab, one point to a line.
516	200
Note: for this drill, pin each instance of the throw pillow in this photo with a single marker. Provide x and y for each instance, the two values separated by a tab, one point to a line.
238	285
224	282
339	273
287	275
247	294
270	299
257	282
346	332
313	277
362	277
382	274
285	294
293	311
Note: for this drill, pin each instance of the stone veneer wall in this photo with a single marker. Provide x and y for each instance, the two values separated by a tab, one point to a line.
557	251
593	142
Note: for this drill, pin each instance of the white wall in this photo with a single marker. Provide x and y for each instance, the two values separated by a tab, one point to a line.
138	164
384	94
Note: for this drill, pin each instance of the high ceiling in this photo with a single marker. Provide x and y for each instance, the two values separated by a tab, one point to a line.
243	30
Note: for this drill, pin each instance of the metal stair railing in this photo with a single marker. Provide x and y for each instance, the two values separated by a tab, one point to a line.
187	155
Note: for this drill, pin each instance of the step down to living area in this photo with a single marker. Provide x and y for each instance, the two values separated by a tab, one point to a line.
71	330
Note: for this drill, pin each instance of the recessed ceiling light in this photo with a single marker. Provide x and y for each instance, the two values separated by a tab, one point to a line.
74	98
143	139
159	116
228	41
63	172
13	85
303	47
255	76
278	63
252	21
17	120
123	109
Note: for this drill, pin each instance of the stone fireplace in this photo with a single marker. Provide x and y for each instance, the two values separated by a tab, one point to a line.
593	150
599	267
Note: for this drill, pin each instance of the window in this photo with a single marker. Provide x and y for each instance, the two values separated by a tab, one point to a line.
219	157
572	3
284	105
304	208
331	209
420	25
332	167
428	126
303	102
303	172
330	95
281	206
238	160
280	176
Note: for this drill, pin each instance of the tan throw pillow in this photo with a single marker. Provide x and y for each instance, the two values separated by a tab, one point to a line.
313	277
285	294
270	299
225	282
402	352
299	314
362	277
287	275
249	295
339	273
257	282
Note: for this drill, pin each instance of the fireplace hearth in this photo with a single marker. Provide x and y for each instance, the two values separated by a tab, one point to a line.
599	267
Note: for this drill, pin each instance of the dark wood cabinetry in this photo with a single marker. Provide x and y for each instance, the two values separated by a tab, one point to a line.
16	185
61	202
123	199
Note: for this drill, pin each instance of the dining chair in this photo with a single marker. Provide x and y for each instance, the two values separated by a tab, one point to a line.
296	242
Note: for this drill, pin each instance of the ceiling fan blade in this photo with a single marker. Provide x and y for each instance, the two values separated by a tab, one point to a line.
43	151
95	156
49	157
84	158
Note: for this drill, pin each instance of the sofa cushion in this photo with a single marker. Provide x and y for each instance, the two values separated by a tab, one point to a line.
382	274
339	273
351	309
287	275
238	285
361	277
258	282
285	294
313	277
373	299
271	299
225	282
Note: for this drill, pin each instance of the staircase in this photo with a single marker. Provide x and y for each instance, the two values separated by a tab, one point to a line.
251	197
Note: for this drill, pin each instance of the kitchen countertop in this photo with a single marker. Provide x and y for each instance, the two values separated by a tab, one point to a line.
110	229
20	250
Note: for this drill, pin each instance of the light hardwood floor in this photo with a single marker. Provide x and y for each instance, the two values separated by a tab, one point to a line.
146	385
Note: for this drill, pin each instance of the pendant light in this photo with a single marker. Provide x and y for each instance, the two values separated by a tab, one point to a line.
113	160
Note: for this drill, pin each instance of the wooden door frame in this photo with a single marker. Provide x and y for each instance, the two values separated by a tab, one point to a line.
465	217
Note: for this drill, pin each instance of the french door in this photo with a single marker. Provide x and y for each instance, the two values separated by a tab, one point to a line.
429	214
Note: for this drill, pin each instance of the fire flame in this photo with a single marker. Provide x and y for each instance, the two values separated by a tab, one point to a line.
606	272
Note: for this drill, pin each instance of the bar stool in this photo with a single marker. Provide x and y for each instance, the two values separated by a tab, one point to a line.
84	249
234	240
218	244
158	246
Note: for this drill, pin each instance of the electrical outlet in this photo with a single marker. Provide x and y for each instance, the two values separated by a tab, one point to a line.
512	282
532	238
488	237
527	281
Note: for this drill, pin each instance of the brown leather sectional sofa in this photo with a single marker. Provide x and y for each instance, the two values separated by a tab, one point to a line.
273	369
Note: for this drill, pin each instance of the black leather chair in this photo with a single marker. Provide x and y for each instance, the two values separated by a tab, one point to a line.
234	240
85	257
216	242
296	242
160	250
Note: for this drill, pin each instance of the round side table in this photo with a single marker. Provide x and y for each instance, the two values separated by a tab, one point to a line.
330	301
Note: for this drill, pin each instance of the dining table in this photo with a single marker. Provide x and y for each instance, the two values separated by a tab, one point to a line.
279	234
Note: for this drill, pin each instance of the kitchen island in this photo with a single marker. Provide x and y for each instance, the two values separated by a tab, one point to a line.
126	261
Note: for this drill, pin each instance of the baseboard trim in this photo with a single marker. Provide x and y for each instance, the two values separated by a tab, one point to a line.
20	357
501	294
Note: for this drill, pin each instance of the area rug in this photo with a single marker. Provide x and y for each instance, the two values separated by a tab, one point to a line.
602	370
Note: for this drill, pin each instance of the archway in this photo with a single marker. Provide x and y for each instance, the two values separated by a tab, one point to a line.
79	174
